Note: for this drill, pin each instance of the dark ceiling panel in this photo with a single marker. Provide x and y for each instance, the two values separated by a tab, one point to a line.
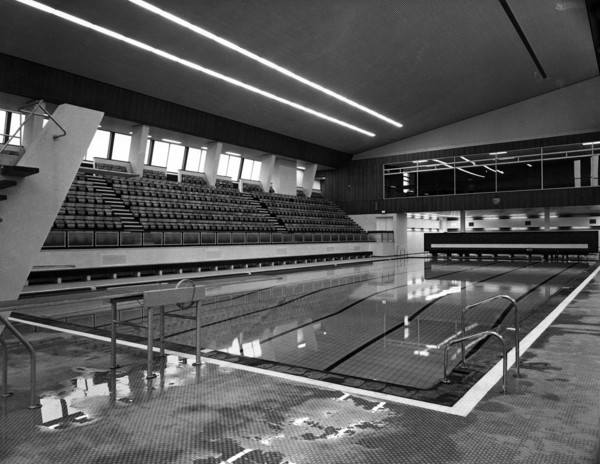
426	64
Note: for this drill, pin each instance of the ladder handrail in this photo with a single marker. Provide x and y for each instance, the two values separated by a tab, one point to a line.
517	341
479	335
38	105
34	404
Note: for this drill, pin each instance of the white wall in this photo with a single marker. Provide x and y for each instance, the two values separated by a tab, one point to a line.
570	110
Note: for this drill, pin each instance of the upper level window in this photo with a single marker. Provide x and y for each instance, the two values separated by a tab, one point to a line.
99	146
195	159
16	119
120	149
229	165
251	169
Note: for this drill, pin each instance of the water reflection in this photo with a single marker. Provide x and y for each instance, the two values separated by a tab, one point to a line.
93	393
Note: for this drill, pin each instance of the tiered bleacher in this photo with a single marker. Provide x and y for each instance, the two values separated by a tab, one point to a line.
303	214
108	206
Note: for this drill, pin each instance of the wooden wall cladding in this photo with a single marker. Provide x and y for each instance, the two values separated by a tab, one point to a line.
35	81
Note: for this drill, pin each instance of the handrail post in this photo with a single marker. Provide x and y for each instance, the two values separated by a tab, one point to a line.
5	392
461	340
513	304
34	404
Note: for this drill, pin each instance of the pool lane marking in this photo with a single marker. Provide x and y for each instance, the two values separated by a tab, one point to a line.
468	402
411	318
461	408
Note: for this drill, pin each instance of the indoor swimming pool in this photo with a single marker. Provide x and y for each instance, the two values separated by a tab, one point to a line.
383	323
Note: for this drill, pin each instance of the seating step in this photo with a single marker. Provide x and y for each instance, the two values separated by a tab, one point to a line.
18	171
7	183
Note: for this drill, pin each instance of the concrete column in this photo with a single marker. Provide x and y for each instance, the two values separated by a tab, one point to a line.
401	232
266	171
31	129
211	165
463	221
594	171
309	178
577	172
137	149
547	218
284	176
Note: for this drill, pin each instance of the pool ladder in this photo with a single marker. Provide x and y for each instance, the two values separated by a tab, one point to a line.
481	335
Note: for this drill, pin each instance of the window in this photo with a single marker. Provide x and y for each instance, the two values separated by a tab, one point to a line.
229	165
251	169
160	154
316	185
2	126
99	146
299	177
120	149
195	160
16	120
175	161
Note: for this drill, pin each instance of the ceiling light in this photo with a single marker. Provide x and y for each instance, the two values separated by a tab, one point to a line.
232	153
253	56
171	141
590	143
498	153
189	64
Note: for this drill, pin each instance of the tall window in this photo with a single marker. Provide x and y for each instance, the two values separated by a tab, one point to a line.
299	177
250	169
99	146
175	161
229	165
120	148
16	119
195	159
3	129
166	155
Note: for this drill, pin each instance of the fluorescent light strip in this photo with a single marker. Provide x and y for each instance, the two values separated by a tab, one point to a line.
171	141
460	169
590	143
189	64
255	57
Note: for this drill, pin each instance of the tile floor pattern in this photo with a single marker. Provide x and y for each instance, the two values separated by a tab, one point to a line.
551	415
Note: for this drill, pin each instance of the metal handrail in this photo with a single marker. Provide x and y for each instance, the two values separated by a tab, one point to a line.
34	404
517	342
38	105
479	335
5	392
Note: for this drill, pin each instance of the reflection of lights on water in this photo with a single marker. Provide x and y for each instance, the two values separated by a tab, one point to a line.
442	293
421	353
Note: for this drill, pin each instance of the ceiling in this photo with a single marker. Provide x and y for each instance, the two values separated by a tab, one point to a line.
425	64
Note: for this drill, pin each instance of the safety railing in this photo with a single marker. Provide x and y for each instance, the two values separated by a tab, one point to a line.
39	105
513	303
184	295
34	403
480	335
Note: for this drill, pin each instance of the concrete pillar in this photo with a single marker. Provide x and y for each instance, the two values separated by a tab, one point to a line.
137	149
31	129
309	178
463	221
211	165
284	176
266	171
401	232
594	171
547	218
577	172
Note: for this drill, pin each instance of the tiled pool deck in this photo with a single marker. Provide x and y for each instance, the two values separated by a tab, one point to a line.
550	415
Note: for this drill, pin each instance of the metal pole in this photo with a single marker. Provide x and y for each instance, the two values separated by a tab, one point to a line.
162	331
198	337
150	369
34	400
5	392
113	335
